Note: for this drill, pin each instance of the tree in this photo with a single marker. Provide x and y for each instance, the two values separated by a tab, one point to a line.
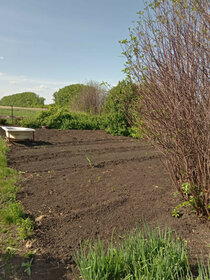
64	96
90	100
168	57
24	99
120	108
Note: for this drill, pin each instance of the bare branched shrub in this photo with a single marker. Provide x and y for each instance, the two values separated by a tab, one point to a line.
91	99
168	56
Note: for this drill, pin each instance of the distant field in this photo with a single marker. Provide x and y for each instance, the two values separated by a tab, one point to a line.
23	108
20	112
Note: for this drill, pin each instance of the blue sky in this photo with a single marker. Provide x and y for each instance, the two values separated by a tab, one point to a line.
47	44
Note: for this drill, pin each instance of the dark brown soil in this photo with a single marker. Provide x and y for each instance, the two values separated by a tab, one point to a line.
84	184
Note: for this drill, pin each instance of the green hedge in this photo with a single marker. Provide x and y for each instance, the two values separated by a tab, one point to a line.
60	118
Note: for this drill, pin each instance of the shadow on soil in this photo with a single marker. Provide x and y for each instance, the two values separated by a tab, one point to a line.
41	268
31	143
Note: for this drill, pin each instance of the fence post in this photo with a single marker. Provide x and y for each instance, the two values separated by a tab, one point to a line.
12	115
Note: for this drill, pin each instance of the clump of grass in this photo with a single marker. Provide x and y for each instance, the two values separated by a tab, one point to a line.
142	255
12	213
3	150
203	270
8	190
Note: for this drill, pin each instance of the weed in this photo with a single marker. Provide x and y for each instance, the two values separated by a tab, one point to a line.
112	188
190	200
175	194
27	266
30	254
26	228
89	161
10	251
6	259
176	212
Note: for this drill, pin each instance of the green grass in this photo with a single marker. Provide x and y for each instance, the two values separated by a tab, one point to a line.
15	226
13	221
143	255
18	114
12	213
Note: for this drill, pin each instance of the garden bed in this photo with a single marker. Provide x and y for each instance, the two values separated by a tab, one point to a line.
80	185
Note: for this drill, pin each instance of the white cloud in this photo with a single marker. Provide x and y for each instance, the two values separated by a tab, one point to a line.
11	84
43	86
1	57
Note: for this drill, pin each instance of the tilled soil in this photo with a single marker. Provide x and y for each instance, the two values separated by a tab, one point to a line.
80	185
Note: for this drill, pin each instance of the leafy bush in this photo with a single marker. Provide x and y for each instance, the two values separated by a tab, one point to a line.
24	99
141	255
60	118
120	108
64	96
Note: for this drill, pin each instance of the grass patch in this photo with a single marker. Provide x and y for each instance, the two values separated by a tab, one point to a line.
12	213
142	255
15	226
13	221
19	112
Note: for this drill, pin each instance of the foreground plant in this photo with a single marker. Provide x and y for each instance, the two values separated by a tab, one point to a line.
144	254
168	58
27	266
